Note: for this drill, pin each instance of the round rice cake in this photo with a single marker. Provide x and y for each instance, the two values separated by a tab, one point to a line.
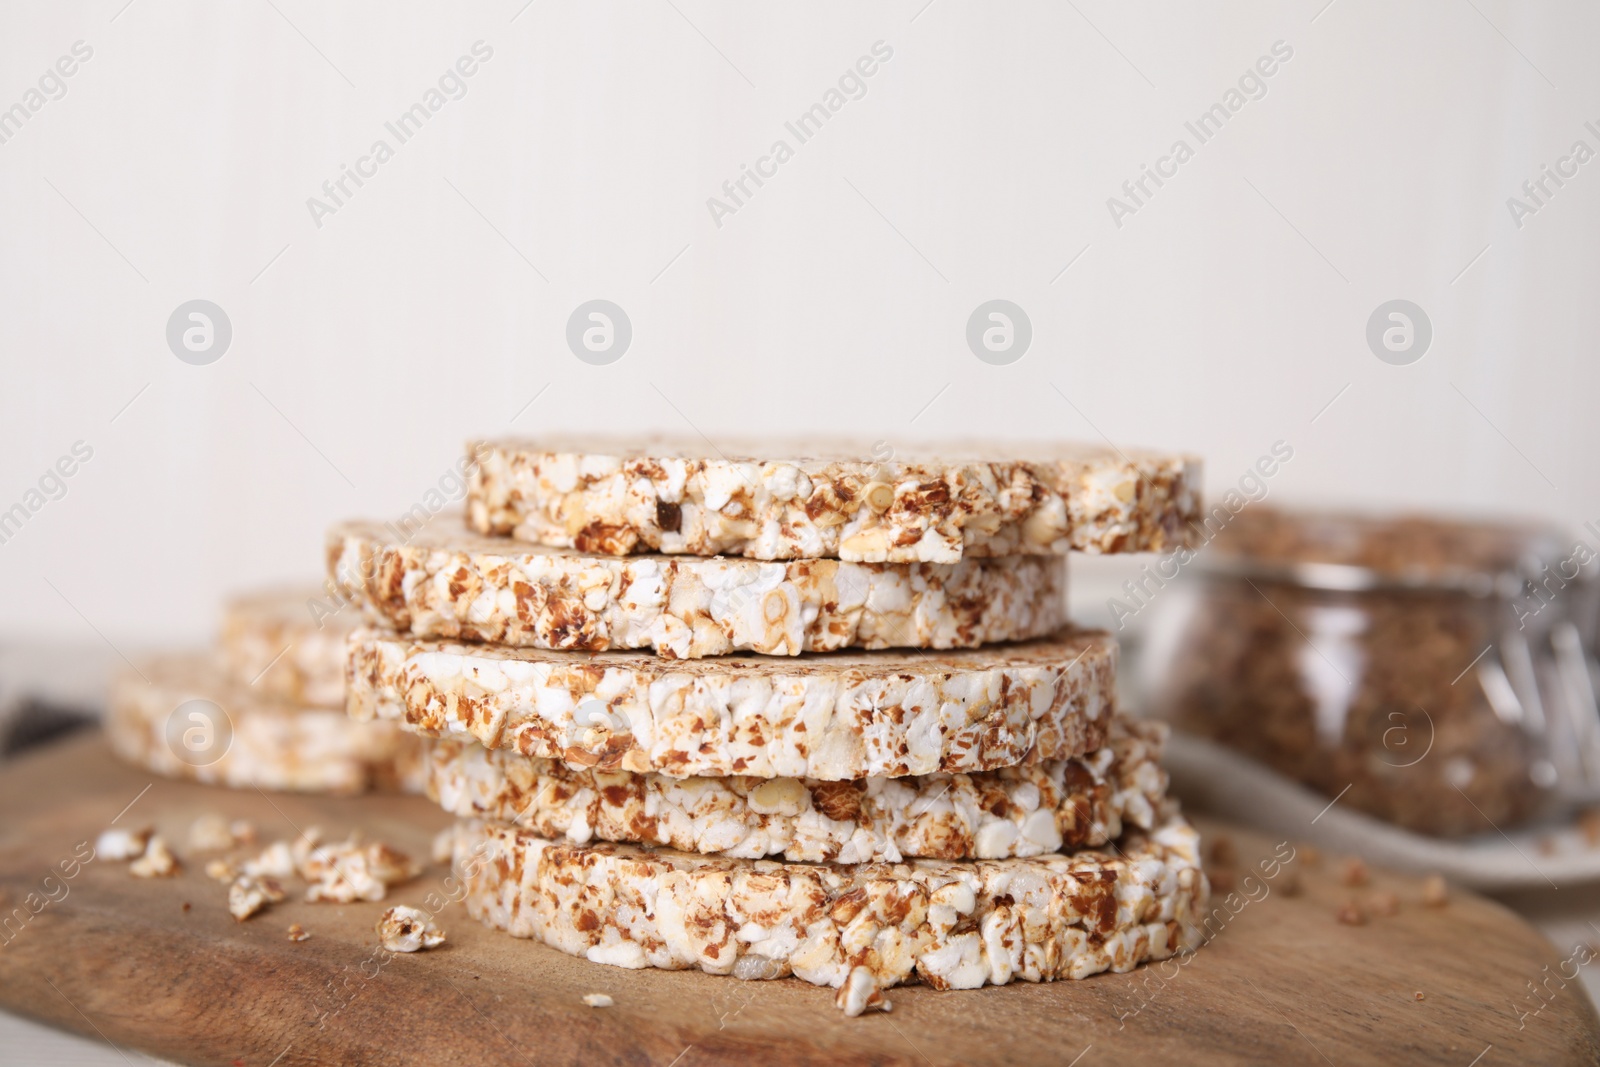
445	581
828	716
288	643
182	716
1023	811
858	929
843	500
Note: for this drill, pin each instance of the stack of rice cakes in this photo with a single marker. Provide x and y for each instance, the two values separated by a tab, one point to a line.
767	716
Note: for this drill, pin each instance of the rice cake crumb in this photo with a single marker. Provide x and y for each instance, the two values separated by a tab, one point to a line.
351	871
860	993
158	861
275	861
407	929
249	895
210	833
120	843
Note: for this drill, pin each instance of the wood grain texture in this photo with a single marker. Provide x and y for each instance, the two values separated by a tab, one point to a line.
1280	982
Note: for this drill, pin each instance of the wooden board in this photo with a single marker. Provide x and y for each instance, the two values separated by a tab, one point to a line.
1282	981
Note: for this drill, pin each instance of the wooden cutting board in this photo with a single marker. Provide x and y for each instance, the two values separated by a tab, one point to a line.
159	965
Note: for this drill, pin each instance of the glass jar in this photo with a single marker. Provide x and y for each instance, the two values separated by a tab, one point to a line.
1425	671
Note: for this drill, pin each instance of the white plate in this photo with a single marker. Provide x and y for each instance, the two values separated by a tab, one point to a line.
1217	780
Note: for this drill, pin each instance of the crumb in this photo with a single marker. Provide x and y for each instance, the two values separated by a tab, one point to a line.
1386	904
243	831
1435	893
1354	872
121	844
1221	881
306	846
210	833
860	993
221	870
249	894
298	933
352	871
186	906
598	1000
275	861
1290	885
1417	995
1350	914
1309	855
158	861
404	929
1223	852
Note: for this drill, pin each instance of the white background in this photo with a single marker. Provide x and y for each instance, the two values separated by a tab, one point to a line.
1223	316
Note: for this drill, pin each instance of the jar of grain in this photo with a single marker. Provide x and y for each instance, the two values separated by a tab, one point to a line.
1427	671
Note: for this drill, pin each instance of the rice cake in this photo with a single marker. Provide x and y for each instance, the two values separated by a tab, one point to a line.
858	929
274	641
242	738
850	501
1013	812
446	582
828	716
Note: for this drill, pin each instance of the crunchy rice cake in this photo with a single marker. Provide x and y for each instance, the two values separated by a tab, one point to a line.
273	641
447	582
842	500
1013	812
859	929
829	716
245	738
